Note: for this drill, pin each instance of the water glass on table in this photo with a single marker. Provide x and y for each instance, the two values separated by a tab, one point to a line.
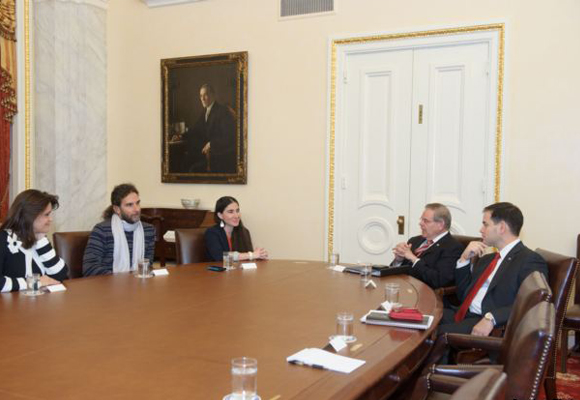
334	260
345	327
244	379
228	258
365	273
144	268
392	294
33	285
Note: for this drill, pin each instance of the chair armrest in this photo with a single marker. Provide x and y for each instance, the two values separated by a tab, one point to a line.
444	383
445	291
462	371
458	340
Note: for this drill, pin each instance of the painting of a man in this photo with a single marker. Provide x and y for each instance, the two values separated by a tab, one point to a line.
204	113
211	144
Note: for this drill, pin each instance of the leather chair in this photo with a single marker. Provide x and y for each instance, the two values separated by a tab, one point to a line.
525	363
70	246
561	273
465	240
488	385
190	246
572	317
533	290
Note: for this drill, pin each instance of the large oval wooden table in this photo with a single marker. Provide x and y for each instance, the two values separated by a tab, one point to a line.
172	337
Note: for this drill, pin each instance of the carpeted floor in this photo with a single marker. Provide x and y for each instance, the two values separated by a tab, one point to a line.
568	384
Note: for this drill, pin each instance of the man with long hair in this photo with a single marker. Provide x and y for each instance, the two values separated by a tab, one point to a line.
118	242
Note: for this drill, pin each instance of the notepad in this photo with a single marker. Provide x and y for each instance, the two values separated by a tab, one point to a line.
249	266
321	359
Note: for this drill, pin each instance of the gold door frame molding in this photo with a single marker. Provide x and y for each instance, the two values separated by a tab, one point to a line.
27	106
499	28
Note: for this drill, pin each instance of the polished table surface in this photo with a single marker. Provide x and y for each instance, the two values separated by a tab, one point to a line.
172	337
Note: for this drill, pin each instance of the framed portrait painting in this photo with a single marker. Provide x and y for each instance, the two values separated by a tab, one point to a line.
204	117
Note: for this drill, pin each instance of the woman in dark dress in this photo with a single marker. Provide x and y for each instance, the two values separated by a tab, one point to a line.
24	248
230	234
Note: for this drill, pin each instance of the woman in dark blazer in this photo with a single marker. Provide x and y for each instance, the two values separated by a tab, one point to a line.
229	234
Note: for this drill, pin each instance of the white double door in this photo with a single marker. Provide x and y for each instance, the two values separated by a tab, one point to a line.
414	129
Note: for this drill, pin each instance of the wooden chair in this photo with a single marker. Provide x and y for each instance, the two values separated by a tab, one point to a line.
190	246
571	318
70	246
561	273
526	361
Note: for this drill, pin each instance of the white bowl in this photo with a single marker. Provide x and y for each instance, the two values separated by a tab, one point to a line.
190	203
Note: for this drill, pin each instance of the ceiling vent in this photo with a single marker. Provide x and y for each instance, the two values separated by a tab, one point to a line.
296	8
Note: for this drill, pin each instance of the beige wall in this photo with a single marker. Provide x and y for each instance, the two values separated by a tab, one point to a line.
284	201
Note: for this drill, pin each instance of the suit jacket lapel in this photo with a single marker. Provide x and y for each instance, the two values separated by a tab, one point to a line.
504	266
434	245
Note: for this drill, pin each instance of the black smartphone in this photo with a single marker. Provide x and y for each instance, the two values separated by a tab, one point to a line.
216	268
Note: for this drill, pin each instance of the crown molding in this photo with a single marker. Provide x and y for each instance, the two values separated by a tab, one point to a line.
161	3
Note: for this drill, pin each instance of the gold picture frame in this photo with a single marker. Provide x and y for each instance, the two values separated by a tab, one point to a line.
204	119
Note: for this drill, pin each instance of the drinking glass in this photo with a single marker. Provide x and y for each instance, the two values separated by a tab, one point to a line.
33	284
392	294
228	258
365	273
143	269
334	259
345	327
244	379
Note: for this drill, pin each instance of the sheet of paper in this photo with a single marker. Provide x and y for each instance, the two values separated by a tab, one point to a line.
160	272
387	306
318	358
338	268
371	285
56	288
249	266
338	344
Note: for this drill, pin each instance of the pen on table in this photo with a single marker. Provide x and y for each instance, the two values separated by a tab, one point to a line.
317	366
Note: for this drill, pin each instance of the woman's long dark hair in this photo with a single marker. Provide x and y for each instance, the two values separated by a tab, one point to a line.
241	240
28	205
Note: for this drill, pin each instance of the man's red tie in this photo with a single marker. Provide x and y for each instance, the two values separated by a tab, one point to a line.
460	314
421	249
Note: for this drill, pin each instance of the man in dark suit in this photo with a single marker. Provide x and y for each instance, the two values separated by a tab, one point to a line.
434	254
212	143
488	289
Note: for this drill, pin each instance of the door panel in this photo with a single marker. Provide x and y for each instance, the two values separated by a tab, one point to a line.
378	97
448	148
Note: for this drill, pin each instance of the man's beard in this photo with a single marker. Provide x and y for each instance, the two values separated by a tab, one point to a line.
127	218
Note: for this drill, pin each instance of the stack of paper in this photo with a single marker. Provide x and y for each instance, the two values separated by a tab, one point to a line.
377	317
321	359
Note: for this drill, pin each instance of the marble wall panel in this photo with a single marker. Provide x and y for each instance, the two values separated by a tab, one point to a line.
69	86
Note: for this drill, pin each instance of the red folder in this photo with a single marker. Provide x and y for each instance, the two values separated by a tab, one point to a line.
406	314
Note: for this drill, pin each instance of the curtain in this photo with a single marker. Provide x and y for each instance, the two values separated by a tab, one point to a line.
7	94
